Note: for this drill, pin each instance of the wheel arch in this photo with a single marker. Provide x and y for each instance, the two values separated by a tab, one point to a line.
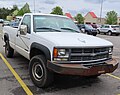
37	49
109	31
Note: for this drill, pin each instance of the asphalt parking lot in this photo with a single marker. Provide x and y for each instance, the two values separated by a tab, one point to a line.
64	85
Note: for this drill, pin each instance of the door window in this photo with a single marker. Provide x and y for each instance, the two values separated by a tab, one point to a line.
106	26
27	21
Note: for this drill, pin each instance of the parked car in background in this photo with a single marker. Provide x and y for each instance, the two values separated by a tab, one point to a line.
110	29
1	20
15	23
94	26
6	23
86	28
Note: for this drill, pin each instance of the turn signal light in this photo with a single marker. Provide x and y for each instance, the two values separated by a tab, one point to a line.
55	52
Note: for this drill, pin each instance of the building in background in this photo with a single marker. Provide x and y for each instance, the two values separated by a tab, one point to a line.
91	18
101	21
118	21
69	15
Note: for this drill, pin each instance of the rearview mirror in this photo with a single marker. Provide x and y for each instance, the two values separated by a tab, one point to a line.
23	29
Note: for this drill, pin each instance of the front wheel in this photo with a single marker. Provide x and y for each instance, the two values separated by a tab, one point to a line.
9	51
94	34
39	73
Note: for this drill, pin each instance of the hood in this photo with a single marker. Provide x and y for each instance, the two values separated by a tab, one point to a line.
64	39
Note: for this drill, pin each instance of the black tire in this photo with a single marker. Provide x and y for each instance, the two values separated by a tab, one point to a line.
109	33
117	34
9	52
39	73
104	33
87	32
94	34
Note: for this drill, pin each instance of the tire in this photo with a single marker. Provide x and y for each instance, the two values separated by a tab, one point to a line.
87	32
94	34
109	33
39	73
9	52
104	33
117	34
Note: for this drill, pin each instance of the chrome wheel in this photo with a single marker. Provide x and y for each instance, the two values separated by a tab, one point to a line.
109	33
37	71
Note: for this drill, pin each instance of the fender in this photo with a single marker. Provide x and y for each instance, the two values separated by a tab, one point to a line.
42	48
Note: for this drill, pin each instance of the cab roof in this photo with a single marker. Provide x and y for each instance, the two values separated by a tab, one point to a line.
46	14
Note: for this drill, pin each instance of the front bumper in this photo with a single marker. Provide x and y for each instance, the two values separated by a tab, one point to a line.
79	69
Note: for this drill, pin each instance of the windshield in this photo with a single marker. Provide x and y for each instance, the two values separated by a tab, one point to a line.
53	23
89	27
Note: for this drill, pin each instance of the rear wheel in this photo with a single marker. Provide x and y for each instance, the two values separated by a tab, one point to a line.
109	33
39	73
9	51
104	33
117	34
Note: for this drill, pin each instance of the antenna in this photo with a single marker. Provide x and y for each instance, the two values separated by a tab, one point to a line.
101	10
34	6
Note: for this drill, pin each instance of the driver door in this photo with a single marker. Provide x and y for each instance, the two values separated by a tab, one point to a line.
23	40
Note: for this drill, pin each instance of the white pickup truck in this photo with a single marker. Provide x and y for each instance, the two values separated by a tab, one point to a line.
53	44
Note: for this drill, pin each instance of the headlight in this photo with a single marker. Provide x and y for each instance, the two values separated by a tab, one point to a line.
110	49
110	52
60	54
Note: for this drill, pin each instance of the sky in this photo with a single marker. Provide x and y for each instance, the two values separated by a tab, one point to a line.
71	6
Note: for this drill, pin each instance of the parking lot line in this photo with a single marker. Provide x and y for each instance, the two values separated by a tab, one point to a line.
26	89
118	78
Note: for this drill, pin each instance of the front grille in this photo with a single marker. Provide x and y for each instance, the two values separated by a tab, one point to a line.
93	31
89	54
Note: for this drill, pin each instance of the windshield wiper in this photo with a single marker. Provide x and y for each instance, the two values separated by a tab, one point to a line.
49	28
70	29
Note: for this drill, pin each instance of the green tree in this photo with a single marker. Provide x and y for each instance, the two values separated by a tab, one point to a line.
24	9
57	10
79	18
111	18
4	12
15	7
14	10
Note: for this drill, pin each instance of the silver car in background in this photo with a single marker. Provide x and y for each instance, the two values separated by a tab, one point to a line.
110	29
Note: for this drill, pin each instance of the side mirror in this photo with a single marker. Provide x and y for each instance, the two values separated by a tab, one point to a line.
23	29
